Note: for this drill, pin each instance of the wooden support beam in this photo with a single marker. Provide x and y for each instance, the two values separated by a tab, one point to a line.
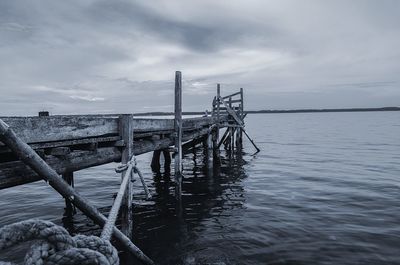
232	113
231	95
178	133
60	151
223	137
126	133
252	142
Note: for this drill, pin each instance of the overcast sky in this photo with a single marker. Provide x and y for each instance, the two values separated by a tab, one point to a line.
88	56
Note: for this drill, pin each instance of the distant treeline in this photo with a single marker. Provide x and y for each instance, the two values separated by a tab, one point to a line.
276	111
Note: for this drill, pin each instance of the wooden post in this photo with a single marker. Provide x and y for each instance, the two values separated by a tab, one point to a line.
218	102
69	207
167	160
241	115
232	143
209	150
216	134
238	140
155	161
178	134
215	145
126	133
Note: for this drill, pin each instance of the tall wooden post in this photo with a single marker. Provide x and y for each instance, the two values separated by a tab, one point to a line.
241	115
178	133
218	102
126	133
216	132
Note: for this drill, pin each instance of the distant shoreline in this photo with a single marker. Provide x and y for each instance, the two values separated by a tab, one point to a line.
278	111
325	110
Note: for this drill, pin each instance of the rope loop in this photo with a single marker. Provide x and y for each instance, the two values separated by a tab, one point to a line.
122	167
54	245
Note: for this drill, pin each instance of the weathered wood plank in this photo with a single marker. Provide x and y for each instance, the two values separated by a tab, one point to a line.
233	113
68	128
231	95
54	128
235	101
4	149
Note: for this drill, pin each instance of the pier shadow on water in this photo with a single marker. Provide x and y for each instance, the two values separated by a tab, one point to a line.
189	231
178	232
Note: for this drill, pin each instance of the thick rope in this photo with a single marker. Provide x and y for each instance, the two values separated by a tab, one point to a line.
112	216
122	167
56	246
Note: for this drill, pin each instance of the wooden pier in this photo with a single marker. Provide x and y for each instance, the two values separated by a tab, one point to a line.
64	144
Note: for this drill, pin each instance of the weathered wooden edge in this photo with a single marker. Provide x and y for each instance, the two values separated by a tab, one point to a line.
52	129
16	173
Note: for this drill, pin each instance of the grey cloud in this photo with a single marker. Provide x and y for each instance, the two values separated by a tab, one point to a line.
120	56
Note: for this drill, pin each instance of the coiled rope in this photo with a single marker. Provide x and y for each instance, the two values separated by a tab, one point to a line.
56	246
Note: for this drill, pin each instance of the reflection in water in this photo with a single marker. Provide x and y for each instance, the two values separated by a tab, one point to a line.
163	228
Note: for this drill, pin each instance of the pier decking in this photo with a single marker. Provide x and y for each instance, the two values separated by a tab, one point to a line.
68	143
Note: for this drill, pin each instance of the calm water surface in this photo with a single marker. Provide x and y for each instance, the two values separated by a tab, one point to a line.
324	189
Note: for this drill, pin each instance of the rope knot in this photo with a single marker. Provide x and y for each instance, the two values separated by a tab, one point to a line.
56	246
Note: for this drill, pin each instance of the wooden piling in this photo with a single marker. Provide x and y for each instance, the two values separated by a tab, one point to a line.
218	103
126	134
216	131
178	134
155	161
167	160
215	149
209	150
69	207
241	106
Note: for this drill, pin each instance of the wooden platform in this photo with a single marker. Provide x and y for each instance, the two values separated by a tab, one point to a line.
71	143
